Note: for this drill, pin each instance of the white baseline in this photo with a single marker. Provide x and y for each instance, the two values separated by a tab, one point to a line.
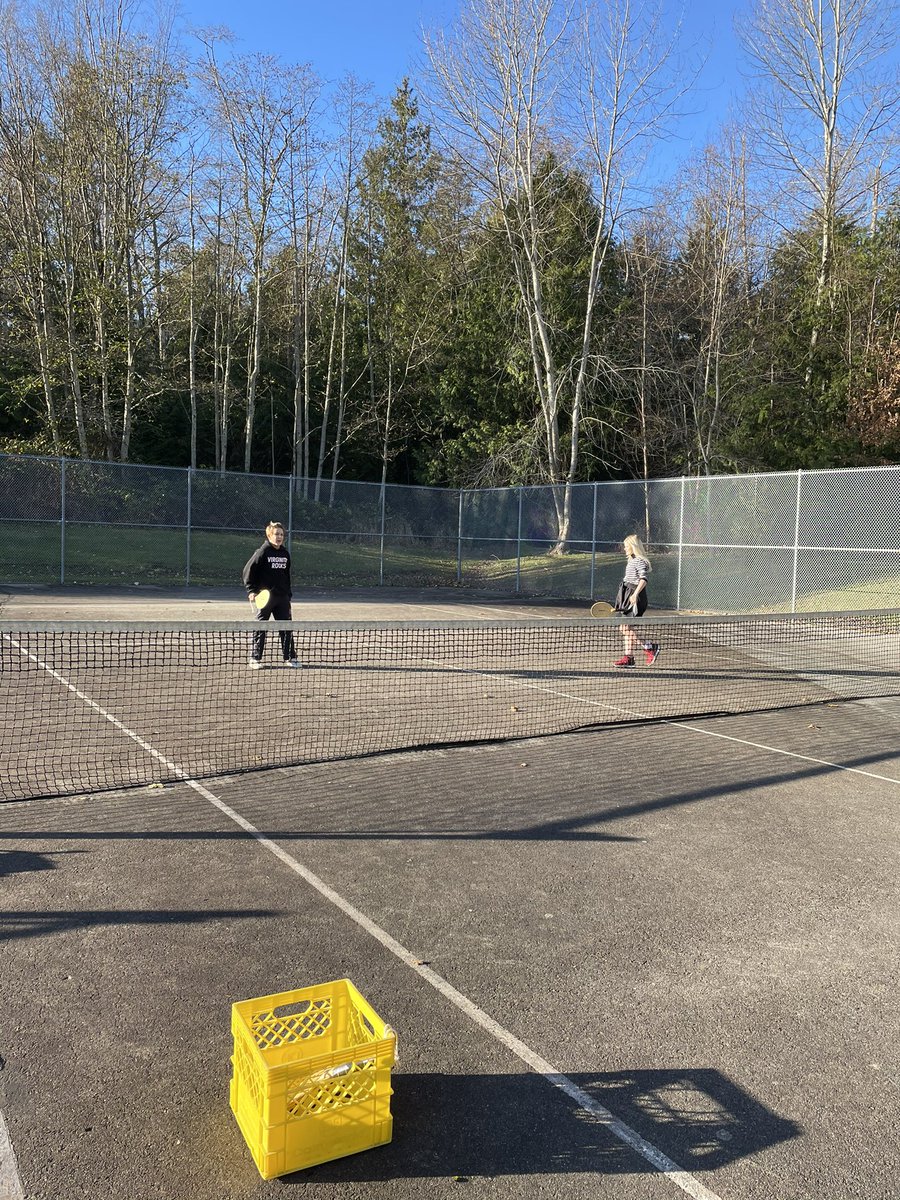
10	1183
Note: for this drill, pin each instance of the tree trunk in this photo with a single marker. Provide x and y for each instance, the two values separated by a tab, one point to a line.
326	407
255	348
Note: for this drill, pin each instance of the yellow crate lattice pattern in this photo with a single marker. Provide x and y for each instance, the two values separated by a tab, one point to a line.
314	1021
360	1030
311	1077
248	1077
310	1095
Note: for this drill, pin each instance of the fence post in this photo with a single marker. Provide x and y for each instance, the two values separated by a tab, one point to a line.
459	537
796	544
680	546
290	528
381	545
62	520
593	544
519	544
187	553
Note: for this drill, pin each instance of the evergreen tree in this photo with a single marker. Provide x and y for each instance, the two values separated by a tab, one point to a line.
397	276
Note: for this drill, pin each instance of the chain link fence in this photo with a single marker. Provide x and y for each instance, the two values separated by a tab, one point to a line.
795	541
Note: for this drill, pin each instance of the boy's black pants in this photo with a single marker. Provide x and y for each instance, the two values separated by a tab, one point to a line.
279	609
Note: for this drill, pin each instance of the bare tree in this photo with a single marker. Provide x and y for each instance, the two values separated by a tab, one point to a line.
23	219
353	111
647	256
119	82
306	214
515	78
715	255
40	146
827	108
221	218
255	99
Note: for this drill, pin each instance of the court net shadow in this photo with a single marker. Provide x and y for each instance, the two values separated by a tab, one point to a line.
468	1126
22	924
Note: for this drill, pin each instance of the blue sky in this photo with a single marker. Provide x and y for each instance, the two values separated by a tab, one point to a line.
379	41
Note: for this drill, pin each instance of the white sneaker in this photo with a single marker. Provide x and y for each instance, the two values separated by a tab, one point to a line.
292	662
254	664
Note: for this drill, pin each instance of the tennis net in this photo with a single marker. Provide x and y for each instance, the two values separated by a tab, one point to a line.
97	706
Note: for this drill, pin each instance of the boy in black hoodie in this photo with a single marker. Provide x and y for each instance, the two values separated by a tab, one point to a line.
270	569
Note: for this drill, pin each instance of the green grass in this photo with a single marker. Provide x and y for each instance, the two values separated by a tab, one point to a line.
127	555
118	556
877	594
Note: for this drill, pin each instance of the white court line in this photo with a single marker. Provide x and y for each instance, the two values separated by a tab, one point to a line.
464	610
822	762
630	1137
10	1183
688	727
515	682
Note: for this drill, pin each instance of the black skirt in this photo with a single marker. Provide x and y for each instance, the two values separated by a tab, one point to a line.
623	600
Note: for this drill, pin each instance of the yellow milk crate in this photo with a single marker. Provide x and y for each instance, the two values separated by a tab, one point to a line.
312	1076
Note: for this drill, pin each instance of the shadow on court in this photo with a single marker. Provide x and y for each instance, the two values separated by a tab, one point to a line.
736	912
40	924
424	810
20	862
456	1126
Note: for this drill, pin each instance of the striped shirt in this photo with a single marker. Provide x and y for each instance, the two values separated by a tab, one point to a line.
637	569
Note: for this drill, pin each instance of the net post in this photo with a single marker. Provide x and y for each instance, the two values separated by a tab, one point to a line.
796	543
593	543
62	520
680	546
459	537
187	549
519	545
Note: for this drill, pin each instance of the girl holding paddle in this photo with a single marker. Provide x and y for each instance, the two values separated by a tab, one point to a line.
631	599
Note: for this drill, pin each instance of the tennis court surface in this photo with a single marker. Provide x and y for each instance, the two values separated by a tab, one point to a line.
645	959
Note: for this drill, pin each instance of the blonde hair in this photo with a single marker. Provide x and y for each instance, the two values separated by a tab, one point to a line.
634	548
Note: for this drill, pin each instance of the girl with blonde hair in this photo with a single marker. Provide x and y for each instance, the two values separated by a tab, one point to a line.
632	599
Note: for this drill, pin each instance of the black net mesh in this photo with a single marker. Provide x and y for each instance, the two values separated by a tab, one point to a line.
88	706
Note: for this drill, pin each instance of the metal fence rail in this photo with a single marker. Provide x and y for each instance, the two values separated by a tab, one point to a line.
792	541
